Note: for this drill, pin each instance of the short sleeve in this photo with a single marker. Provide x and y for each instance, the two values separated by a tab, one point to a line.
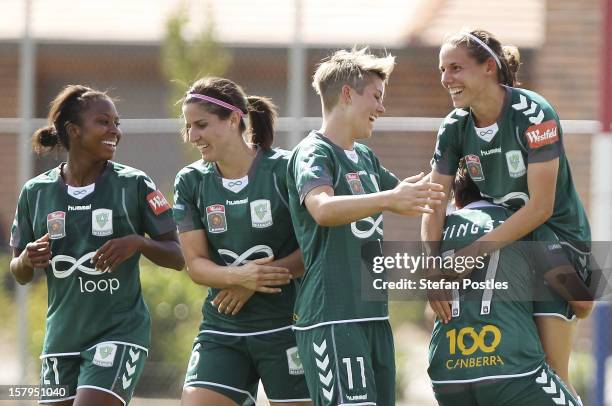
542	134
185	209
448	151
311	168
280	179
388	180
156	213
22	231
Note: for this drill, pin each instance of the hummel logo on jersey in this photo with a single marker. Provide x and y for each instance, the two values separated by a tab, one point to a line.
491	151
79	208
235	202
542	134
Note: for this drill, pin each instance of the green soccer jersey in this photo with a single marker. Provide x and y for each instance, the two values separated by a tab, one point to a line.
497	158
87	306
492	333
244	219
331	287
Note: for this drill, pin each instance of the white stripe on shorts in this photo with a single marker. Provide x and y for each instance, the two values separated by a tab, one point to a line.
244	392
103	390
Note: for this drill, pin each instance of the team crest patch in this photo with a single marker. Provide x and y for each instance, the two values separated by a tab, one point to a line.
294	361
474	167
355	183
261	213
516	165
102	222
105	355
542	134
56	225
157	202
215	214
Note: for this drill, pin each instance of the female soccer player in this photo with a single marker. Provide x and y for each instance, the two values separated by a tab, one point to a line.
338	190
237	238
84	224
490	353
511	140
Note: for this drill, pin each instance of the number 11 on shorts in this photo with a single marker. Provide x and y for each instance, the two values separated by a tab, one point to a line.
349	371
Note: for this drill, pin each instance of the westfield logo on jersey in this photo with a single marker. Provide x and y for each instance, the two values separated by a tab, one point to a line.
542	134
158	203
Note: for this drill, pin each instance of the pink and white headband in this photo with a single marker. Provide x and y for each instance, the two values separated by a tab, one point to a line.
217	102
486	47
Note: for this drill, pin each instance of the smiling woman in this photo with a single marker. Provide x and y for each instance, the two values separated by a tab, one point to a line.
236	234
84	223
511	141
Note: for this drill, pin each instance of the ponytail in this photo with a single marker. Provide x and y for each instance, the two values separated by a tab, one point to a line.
511	65
262	117
45	139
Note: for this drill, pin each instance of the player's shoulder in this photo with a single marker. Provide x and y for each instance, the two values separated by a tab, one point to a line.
275	157
126	172
43	180
197	169
362	148
482	210
127	175
454	121
314	140
529	106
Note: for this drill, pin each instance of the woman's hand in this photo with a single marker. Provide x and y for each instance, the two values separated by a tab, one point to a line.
414	196
231	300
259	277
109	256
37	254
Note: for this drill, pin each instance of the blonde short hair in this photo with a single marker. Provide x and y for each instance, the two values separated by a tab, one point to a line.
354	68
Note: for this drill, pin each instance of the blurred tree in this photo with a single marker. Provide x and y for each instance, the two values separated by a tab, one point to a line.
187	56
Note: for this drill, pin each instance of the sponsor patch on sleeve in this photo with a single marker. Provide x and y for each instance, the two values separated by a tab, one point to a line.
542	134
157	202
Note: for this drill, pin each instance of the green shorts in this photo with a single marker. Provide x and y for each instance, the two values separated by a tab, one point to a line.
349	363
110	367
233	365
544	388
552	304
